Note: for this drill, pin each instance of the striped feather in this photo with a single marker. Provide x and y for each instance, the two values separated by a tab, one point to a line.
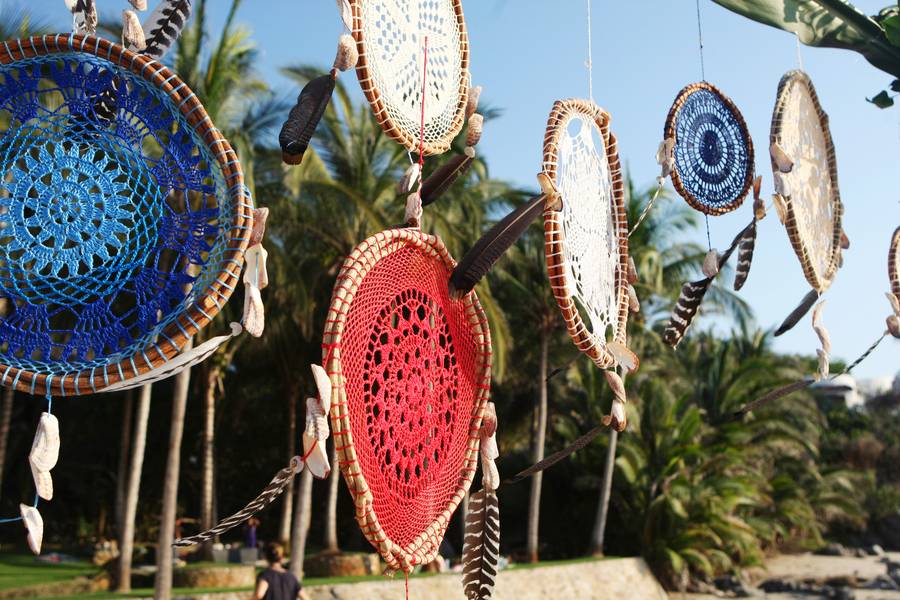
798	313
278	484
481	548
84	16
745	256
689	301
164	25
488	250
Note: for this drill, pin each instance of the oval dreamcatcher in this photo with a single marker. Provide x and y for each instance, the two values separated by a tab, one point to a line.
807	198
410	373
124	222
708	152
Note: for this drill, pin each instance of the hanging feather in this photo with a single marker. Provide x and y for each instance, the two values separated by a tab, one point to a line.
488	250
745	256
689	301
132	32
481	547
792	319
557	456
445	176
34	524
278	484
164	25
84	16
303	119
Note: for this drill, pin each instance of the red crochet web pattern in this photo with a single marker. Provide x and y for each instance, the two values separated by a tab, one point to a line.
411	371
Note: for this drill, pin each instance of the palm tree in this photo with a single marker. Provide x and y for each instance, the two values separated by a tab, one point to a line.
132	489
9	394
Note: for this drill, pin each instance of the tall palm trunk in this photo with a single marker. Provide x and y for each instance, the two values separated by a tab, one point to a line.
163	588
124	451
209	429
534	500
331	539
5	420
133	486
287	506
599	532
302	515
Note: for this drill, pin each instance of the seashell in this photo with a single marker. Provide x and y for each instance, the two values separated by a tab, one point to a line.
314	435
711	263
782	185
490	476
409	180
632	275
260	216
140	5
132	32
623	356
489	420
323	385
780	208
895	302
665	151
44	454
472	105
254	317
759	205
824	337
476	128
845	241
255	271
616	419
548	187
346	13
469	151
35	526
893	326
413	210
489	448
347	54
634	304
782	161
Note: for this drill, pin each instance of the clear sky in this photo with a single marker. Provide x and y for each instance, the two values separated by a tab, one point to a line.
529	53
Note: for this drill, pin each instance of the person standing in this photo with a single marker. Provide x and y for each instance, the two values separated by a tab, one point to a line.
275	583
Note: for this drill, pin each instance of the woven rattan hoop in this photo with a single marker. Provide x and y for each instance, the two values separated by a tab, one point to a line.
729	184
817	249
386	103
220	278
367	334
894	263
564	279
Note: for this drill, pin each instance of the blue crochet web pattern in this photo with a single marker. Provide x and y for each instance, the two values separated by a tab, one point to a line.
112	226
713	151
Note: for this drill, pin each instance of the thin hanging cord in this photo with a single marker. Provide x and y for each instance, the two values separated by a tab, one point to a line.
700	41
649	207
590	60
708	239
422	134
799	56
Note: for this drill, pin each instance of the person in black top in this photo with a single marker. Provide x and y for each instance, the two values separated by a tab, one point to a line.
275	583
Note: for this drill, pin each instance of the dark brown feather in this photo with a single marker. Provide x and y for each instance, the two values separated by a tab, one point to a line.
164	25
792	319
303	119
689	301
543	465
486	251
445	176
745	256
481	546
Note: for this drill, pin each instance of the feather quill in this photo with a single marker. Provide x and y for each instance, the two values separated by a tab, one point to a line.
445	176
481	547
164	25
745	256
792	319
488	250
303	119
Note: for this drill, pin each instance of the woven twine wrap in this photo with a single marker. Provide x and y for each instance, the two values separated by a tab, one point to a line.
894	263
814	208
410	371
586	239
390	37
120	239
713	149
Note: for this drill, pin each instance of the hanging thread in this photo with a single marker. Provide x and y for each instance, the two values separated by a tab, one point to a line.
422	134
708	238
799	56
700	41
590	60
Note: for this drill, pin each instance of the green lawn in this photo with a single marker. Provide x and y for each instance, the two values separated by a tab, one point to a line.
19	570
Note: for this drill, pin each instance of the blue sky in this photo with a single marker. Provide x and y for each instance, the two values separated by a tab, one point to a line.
529	53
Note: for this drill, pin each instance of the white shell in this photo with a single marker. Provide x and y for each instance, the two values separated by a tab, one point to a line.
490	476
819	328
409	180
347	54
665	156
780	208
323	385
634	304
711	263
489	449
783	162
314	436
255	266
489	420
45	447
893	325
346	14
472	105
895	302
254	317
476	128
632	276
782	186
35	526
132	32
139	4
845	241
824	365
623	356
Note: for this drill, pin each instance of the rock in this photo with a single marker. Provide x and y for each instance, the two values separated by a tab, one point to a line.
232	576
336	564
875	550
882	582
846	581
888	529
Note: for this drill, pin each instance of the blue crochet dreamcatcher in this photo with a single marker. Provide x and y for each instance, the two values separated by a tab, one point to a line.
124	222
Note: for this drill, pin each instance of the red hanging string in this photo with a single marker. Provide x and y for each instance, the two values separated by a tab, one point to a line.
407	585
